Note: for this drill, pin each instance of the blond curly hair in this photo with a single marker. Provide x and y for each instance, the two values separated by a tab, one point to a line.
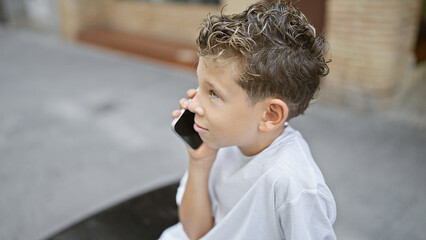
279	52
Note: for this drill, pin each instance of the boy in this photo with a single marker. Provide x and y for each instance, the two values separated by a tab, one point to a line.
254	176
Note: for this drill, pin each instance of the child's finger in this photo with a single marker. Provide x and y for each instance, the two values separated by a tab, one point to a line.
191	92
183	103
175	113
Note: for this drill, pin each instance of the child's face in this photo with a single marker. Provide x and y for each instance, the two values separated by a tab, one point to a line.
224	116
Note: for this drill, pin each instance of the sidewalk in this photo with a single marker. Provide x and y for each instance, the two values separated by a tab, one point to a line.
82	129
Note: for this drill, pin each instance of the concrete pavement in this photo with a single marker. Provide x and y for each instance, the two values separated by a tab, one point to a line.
82	129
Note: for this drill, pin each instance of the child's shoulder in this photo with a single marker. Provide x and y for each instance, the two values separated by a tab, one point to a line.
290	142
294	170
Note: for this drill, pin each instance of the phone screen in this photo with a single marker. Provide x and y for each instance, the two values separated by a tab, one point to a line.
184	127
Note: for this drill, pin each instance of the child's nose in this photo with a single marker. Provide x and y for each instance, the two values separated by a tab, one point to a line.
194	106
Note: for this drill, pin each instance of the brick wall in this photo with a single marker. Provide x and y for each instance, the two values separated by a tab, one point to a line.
76	15
176	21
372	45
235	6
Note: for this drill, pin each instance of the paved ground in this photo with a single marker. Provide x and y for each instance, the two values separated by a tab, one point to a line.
83	129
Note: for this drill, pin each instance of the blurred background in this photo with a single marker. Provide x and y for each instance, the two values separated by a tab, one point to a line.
87	88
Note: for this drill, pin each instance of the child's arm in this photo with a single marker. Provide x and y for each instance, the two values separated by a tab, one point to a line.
195	211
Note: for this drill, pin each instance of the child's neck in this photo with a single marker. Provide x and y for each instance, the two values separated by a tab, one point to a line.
261	142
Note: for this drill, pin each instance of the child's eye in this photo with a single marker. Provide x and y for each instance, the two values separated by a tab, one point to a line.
213	94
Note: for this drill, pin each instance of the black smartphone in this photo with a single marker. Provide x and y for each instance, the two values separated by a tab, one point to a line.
183	126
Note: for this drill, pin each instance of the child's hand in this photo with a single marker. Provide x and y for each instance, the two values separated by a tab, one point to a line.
204	156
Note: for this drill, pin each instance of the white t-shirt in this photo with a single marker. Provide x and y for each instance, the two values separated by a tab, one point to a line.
279	193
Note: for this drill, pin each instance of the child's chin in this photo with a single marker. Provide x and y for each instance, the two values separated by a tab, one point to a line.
213	145
210	144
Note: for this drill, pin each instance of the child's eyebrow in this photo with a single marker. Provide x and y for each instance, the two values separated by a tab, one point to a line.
212	85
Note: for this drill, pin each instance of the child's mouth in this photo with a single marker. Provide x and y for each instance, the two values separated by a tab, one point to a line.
199	129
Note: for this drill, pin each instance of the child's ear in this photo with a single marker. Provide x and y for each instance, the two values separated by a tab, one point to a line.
274	115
